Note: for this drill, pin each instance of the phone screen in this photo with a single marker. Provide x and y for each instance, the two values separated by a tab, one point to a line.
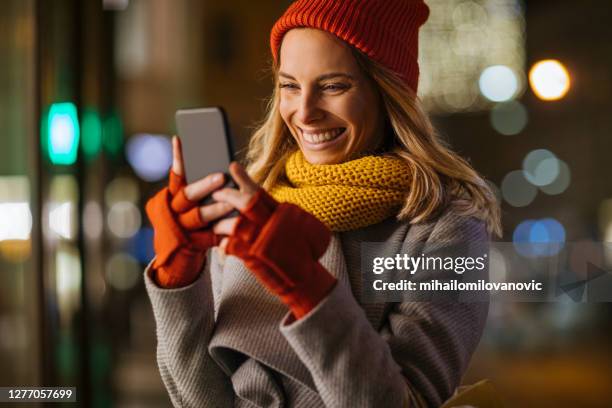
205	141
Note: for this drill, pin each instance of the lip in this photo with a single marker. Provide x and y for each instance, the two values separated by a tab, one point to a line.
325	145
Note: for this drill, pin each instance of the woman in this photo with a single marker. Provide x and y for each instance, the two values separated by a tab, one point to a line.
345	155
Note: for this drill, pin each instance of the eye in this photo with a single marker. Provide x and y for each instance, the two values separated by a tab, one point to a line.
335	87
288	85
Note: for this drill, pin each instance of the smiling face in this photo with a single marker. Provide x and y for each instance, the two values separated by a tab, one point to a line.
330	107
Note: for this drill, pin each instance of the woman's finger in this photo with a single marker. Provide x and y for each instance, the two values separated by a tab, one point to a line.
204	186
200	217
177	157
177	174
192	220
212	212
237	199
242	178
226	226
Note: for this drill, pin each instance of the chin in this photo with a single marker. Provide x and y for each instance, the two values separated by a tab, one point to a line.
321	158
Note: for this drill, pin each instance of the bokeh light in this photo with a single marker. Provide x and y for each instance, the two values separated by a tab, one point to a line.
516	190
68	281
498	83
15	218
112	134
61	220
549	80
547	230
561	183
150	156
121	189
61	209
140	246
93	220
533	238
15	214
541	167
521	237
509	118
15	221
122	271
63	133
124	219
91	143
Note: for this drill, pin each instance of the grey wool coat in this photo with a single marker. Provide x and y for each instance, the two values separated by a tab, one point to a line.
224	341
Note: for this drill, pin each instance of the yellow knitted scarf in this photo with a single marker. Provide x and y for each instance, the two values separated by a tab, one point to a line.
348	195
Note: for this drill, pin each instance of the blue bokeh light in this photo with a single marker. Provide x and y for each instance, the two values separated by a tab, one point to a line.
140	246
150	156
534	238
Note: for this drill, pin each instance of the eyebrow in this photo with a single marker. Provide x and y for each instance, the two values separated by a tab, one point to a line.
321	77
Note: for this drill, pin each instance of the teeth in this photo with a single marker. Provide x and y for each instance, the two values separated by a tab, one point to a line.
323	136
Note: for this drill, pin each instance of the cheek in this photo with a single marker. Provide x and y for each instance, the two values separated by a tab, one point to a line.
283	109
362	114
286	108
357	113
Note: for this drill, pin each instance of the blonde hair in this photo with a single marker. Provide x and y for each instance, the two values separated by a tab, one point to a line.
440	177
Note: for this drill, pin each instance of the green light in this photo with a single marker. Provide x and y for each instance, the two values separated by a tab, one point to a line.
66	355
62	133
113	135
92	134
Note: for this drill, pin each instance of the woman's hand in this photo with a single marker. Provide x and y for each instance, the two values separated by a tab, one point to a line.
182	228
280	243
236	198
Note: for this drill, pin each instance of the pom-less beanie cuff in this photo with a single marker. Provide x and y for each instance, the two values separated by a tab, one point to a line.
385	30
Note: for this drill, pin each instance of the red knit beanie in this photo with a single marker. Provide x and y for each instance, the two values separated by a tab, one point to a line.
385	30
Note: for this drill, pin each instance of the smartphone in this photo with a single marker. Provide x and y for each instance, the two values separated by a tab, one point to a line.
206	144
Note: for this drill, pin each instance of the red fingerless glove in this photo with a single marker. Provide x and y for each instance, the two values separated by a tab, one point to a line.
180	239
281	244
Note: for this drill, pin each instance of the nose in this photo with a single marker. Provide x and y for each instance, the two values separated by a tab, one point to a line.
308	109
